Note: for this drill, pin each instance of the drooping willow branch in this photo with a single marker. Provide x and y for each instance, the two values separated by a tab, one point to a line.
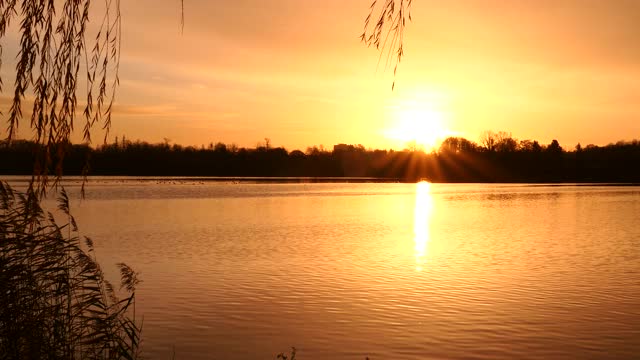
53	53
384	29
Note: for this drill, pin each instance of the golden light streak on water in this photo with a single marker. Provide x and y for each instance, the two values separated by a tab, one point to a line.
422	217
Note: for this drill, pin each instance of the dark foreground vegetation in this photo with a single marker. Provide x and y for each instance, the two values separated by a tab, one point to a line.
54	300
498	158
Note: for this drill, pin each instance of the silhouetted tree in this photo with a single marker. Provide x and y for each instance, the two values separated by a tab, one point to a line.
457	145
505	142
220	147
458	160
536	147
488	140
554	147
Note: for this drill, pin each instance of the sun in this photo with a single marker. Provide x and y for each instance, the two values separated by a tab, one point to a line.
423	127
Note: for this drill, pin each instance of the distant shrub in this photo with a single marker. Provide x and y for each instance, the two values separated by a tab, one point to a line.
291	356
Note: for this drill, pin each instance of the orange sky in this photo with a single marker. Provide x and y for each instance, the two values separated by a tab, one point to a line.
295	72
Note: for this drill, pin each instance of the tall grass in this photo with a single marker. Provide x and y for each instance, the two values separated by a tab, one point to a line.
54	300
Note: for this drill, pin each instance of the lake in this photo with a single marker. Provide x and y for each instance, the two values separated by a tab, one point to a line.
388	271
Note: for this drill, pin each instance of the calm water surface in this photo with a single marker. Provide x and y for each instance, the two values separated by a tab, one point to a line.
389	271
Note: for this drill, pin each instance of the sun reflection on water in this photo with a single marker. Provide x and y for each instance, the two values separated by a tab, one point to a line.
422	216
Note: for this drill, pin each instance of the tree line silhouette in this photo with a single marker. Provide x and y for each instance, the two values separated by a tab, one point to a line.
498	157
